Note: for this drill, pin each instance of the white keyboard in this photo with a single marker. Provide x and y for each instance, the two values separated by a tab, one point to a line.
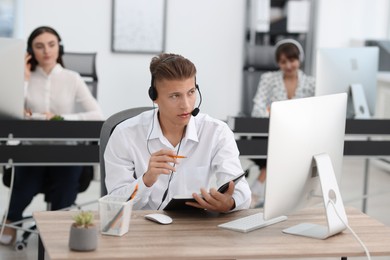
250	223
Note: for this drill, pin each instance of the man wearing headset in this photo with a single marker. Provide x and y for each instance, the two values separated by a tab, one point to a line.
143	150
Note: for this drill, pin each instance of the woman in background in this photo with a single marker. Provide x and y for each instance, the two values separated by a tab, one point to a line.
288	82
51	92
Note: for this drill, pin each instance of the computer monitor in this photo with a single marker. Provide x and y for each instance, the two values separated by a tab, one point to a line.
304	161
12	53
384	53
351	70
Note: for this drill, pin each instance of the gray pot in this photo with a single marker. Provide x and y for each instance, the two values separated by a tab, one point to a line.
83	239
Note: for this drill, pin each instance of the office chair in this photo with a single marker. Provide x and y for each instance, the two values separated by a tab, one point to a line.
85	64
105	133
259	59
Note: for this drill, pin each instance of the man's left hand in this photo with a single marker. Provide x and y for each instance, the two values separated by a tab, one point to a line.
214	200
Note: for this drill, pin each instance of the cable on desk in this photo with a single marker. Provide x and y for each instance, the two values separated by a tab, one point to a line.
350	229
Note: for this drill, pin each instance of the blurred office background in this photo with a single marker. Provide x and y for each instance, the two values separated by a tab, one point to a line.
216	36
213	34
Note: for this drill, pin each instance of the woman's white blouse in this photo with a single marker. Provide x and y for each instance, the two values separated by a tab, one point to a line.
271	88
61	92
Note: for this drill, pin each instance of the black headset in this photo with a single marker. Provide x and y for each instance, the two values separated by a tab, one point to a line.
39	31
153	91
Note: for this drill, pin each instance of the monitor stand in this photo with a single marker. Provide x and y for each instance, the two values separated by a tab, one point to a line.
359	101
333	203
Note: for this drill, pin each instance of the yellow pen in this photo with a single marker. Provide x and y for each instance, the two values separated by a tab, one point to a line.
134	192
178	156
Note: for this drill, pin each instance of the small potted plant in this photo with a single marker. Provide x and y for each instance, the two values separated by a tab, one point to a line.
83	232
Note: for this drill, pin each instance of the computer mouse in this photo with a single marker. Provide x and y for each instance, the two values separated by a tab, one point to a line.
159	218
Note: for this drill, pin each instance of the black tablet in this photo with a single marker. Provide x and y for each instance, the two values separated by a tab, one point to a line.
178	202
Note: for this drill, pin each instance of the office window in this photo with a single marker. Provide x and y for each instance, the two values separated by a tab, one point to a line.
7	17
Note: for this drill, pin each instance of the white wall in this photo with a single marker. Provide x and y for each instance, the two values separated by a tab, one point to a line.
347	23
210	33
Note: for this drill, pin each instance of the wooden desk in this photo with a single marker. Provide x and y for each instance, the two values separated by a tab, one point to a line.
196	236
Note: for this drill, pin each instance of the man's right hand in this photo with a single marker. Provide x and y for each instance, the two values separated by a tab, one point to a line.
159	163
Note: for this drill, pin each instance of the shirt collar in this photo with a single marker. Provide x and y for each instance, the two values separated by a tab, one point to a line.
156	132
280	73
57	69
191	132
155	128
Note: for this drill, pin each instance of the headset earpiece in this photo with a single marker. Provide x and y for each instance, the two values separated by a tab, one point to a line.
61	49
152	93
30	51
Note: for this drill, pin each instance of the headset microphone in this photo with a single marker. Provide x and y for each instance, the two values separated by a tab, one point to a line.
196	110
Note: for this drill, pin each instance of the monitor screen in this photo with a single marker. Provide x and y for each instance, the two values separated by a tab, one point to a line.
337	69
300	129
12	53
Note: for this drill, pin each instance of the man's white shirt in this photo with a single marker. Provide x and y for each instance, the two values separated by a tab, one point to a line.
211	159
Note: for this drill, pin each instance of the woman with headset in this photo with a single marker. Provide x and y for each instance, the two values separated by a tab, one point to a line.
288	82
51	93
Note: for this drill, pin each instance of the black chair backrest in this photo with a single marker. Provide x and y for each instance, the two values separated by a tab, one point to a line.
105	133
85	64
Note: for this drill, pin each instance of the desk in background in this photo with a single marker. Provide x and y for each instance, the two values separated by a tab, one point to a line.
361	137
382	109
196	236
85	135
89	131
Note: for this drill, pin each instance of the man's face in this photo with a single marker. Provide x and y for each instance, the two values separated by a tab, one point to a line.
176	100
